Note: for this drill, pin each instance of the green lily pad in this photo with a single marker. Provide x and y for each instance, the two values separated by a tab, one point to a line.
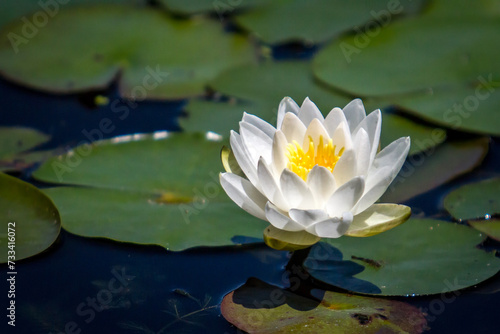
422	137
220	7
266	84
14	144
429	169
318	20
471	109
165	58
260	308
425	52
148	191
475	200
489	227
30	221
420	257
10	10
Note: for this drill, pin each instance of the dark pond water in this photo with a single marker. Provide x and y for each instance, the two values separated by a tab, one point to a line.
150	290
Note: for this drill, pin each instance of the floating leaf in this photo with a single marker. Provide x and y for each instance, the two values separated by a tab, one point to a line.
422	137
163	191
260	308
219	7
36	10
489	227
430	169
14	142
318	20
156	56
471	109
30	221
420	257
424	52
475	200
266	85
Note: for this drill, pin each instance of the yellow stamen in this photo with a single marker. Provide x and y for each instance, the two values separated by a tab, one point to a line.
301	162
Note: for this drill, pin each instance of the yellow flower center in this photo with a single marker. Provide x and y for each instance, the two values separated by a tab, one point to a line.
301	162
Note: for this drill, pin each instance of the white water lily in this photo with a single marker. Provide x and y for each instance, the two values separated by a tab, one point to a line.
313	177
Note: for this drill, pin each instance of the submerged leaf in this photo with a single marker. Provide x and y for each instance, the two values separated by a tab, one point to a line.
257	307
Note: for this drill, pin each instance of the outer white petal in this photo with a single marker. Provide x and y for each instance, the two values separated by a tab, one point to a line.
279	152
280	220
295	191
243	158
308	111
262	125
385	168
372	124
244	194
334	118
322	184
346	168
293	128
308	217
286	105
257	143
332	227
269	187
345	197
393	154
315	130
342	137
362	148
354	112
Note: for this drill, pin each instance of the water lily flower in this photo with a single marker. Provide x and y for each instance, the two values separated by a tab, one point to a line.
314	177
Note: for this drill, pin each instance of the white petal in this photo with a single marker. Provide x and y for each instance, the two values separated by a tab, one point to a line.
383	171
378	218
345	169
244	194
308	111
333	120
295	191
280	220
345	197
342	137
262	125
354	112
308	217
372	125
293	128
315	130
362	148
332	227
269	187
279	152
322	184
243	158
286	105
256	142
393	154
